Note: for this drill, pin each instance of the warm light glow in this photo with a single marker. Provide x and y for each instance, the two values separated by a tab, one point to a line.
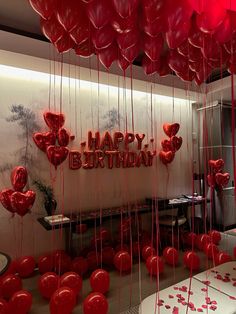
35	76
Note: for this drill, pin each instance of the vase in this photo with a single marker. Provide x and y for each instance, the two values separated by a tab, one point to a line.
50	206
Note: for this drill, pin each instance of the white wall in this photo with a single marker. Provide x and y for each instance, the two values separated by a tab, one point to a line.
82	189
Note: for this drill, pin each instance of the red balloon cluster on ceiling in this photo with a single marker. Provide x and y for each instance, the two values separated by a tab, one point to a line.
189	37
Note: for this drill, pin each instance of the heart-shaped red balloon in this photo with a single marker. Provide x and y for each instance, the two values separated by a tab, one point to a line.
22	202
63	137
166	145
5	199
54	120
176	142
43	140
57	154
166	157
216	165
222	179
171	129
19	177
211	180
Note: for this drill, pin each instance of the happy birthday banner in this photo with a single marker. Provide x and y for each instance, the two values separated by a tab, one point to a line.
106	151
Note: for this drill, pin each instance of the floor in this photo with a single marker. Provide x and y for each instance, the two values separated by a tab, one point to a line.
127	291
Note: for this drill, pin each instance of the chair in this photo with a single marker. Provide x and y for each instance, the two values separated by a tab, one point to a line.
175	223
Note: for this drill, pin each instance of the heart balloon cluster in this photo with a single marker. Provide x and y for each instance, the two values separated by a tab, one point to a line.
172	145
217	178
189	37
16	200
46	141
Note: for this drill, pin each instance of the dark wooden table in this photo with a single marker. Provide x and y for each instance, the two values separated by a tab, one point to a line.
94	217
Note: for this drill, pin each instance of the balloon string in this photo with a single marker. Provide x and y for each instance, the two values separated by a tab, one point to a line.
132	101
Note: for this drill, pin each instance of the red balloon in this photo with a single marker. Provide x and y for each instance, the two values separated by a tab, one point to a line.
209	20
81	32
222	257
155	28
73	281
108	254
57	154
177	13
125	8
43	140
54	120
171	129
85	49
9	285
166	157
224	31
230	46
65	43
5	199
26	266
52	29
69	13
4	307
44	8
131	53
177	62
12	268
148	251
100	281
149	66
95	303
63	137
20	302
155	265
45	264
122	261
99	12
103	37
222	179
215	236
153	47
211	49
108	55
22	202
152	10
124	25
211	250
48	283
191	260
202	240
171	256
128	39
122	62
79	265
177	36
196	37
62	301
19	177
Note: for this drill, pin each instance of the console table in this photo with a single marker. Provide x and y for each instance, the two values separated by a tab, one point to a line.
90	218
